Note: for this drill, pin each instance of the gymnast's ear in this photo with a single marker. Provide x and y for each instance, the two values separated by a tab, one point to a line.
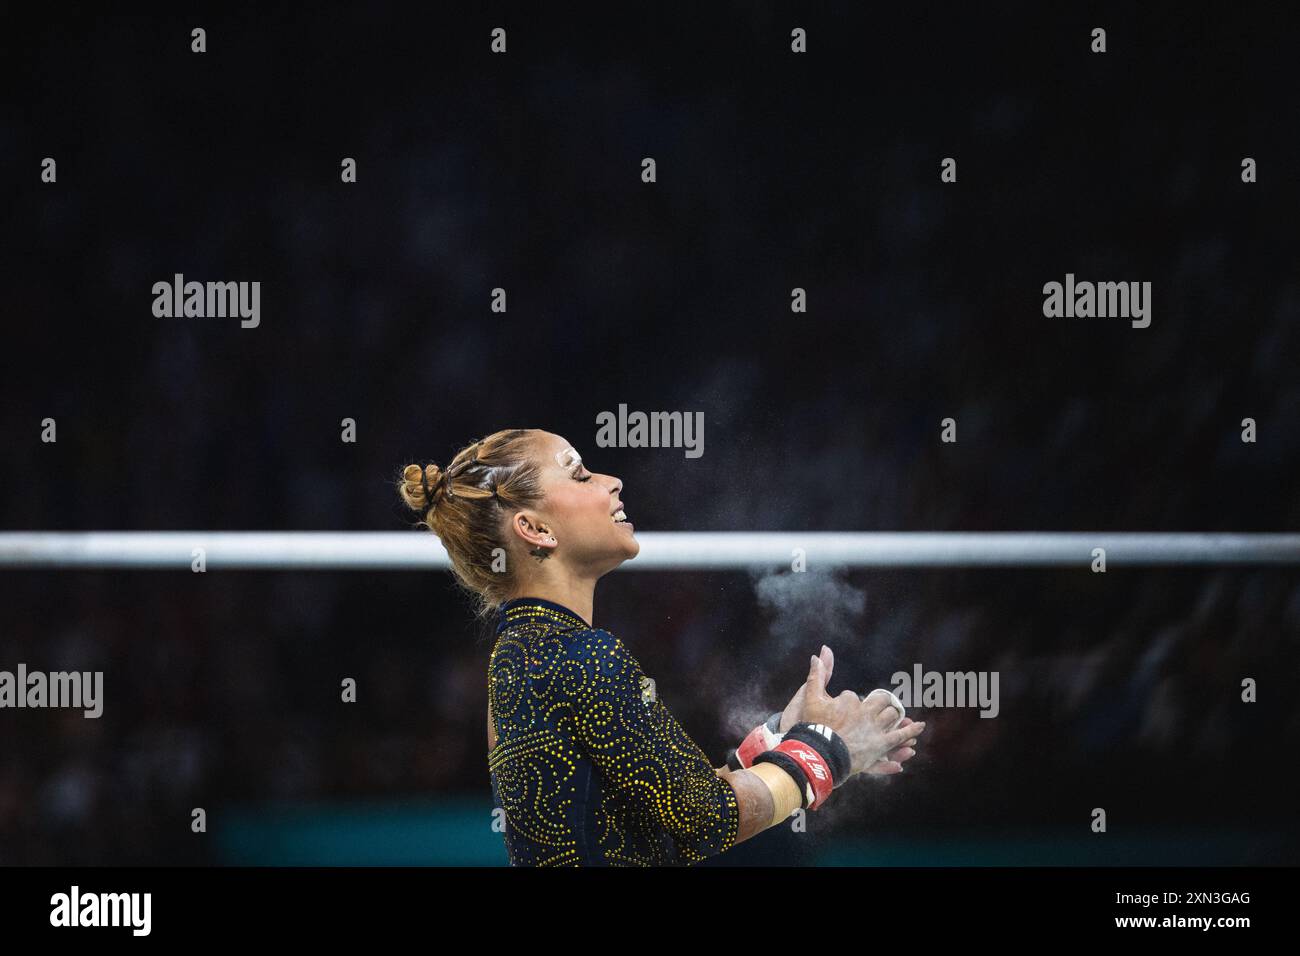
528	528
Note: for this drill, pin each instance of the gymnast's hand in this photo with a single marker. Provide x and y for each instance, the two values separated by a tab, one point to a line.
790	716
863	723
893	761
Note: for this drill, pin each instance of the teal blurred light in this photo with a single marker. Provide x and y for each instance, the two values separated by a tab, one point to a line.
423	833
459	833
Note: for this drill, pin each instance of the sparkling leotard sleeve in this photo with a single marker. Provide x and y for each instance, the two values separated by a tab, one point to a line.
641	750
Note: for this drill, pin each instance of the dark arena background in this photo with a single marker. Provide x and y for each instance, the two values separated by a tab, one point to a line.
825	230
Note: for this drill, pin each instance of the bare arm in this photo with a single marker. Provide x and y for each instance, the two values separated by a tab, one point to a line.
755	799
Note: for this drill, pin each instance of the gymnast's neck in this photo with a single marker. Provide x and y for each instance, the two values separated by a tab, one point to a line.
576	592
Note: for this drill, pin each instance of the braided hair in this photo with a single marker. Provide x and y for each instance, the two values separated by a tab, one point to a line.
466	505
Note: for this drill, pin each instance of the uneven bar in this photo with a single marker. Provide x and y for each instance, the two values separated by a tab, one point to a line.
660	550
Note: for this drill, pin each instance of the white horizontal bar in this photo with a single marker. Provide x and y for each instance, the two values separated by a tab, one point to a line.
660	551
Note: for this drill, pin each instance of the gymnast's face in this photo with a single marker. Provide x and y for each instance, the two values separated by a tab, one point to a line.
582	509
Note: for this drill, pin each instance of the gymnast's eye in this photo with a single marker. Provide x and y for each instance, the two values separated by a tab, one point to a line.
576	478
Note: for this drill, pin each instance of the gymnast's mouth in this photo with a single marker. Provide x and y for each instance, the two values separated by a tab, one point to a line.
618	517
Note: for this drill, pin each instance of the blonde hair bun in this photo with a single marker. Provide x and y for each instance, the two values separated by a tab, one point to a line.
420	487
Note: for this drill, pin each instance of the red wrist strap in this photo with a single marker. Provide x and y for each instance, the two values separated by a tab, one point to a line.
814	767
762	738
753	745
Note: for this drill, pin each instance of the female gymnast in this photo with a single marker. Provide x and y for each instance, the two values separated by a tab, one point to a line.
587	762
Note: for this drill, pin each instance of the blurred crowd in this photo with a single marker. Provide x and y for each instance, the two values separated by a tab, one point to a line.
226	693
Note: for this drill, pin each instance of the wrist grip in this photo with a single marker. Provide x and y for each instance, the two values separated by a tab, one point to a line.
763	737
816	757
